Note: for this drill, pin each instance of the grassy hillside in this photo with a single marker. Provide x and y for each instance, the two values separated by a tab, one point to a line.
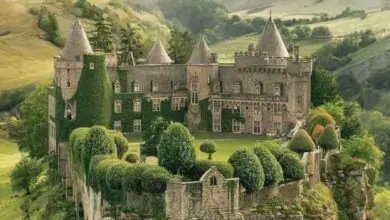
226	49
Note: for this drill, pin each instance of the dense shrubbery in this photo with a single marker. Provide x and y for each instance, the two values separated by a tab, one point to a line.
201	166
152	136
248	168
317	131
208	147
301	142
154	179
121	143
132	158
292	167
328	139
320	118
273	172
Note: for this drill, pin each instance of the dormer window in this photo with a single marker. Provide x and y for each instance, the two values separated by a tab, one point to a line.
91	66
154	86
213	181
135	86
117	87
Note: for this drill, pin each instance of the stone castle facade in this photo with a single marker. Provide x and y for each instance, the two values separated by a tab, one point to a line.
268	85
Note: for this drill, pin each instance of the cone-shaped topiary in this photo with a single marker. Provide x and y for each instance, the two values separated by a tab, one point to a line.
292	167
272	170
317	132
328	139
248	168
208	147
301	142
320	118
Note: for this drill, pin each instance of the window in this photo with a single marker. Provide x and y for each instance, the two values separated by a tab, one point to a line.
68	83
256	127
194	84
137	105
277	90
117	87
259	88
137	125
257	109
217	87
91	66
217	106
236	109
277	128
237	88
154	86
236	126
208	79
118	106
175	86
175	104
118	126
77	58
213	181
136	86
217	125
194	98
156	105
277	109
69	111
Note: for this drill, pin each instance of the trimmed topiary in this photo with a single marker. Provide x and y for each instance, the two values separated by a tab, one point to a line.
133	177
328	139
155	178
317	132
95	160
320	118
292	167
153	135
115	175
176	151
121	143
248	168
301	142
201	166
98	182
208	147
76	150
132	158
272	170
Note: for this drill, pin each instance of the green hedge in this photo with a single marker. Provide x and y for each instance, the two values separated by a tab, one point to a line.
272	170
201	166
206	123
121	143
292	167
132	158
95	160
154	179
301	142
328	139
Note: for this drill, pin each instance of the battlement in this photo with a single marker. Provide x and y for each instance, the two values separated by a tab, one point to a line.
298	66
256	58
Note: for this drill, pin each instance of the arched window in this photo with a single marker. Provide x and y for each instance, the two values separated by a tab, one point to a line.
154	86
69	109
117	87
194	90
213	181
259	88
135	86
237	87
137	105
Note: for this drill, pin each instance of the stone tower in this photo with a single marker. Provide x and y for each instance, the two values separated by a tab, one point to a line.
202	69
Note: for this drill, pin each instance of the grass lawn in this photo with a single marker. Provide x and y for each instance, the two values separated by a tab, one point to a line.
226	143
9	201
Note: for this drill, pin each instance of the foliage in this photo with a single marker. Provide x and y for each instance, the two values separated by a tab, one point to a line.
33	133
382	204
317	131
121	143
301	142
152	136
88	10
133	177
334	109
154	179
132	158
248	168
208	147
47	21
25	174
348	86
181	45
131	42
102	38
321	31
13	127
320	118
201	166
328	139
176	150
292	167
323	87
272	170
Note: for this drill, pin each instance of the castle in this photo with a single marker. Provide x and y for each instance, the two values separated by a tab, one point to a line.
263	92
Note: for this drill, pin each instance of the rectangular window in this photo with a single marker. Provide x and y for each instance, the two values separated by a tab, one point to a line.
118	106
236	126
256	127
194	98
236	109
217	106
118	126
277	128
257	109
277	109
137	125
217	125
175	104
137	105
156	105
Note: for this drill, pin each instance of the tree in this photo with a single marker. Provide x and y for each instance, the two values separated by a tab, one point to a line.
292	167
153	135
328	139
318	129
323	88
320	118
33	133
348	86
25	174
176	150
181	45
301	142
13	127
130	42
102	37
248	168
208	147
321	32
272	170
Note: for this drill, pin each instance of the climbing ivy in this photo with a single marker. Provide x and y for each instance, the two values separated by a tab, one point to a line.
63	125
206	123
231	185
122	75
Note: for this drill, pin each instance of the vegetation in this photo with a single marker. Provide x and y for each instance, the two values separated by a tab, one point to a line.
208	147
152	136
132	158
25	174
121	143
318	129
130	43
301	142
292	167
328	139
181	45
273	172
102	38
201	166
321	118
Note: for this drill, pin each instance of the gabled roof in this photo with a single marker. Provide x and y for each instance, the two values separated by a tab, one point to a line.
201	53
77	43
271	41
158	55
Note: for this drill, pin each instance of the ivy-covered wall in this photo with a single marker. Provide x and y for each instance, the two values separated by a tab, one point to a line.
206	122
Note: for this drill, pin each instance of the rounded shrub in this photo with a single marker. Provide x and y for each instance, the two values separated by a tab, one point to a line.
115	175
176	151
328	139
320	118
301	142
248	168
152	136
76	150
95	160
133	177
201	166
155	178
98	182
208	147
292	167
273	172
318	129
132	158
121	143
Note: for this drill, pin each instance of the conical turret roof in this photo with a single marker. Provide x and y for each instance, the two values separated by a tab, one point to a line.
77	43
271	41
201	53
158	55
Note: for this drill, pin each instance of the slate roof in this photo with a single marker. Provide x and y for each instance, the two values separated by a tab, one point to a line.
201	53
77	43
158	55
